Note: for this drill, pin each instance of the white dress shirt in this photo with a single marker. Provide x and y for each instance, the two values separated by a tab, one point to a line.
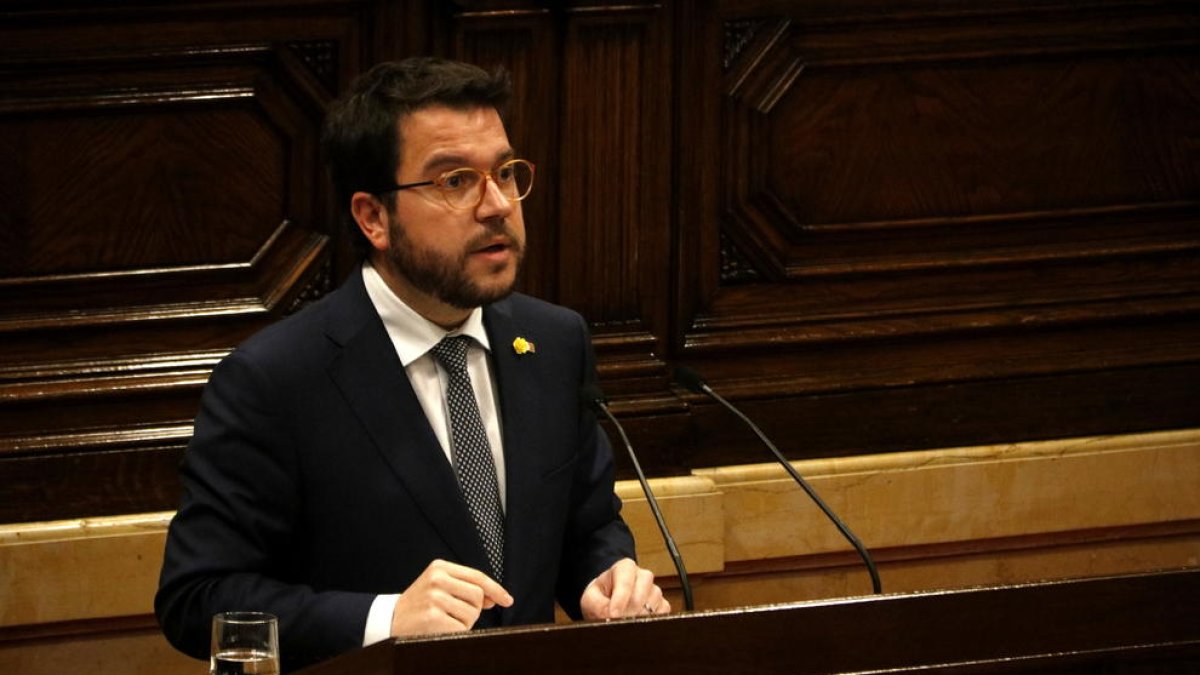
413	336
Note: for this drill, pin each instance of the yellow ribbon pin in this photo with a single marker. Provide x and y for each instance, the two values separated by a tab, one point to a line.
522	346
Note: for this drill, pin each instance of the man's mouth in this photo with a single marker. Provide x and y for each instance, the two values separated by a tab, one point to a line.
495	251
493	246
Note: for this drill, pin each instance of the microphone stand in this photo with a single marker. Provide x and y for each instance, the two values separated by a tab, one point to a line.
694	382
597	400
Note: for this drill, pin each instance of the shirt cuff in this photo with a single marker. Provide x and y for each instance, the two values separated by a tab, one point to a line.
379	619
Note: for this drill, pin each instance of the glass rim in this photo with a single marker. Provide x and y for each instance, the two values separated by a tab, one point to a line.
245	616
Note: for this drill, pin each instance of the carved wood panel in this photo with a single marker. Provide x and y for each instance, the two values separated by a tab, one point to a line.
614	212
917	196
875	225
523	42
592	109
163	200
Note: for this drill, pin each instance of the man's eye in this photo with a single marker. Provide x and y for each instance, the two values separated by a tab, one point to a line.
455	181
505	174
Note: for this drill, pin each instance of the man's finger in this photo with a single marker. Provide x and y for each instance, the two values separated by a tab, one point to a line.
594	603
643	587
493	593
624	574
465	612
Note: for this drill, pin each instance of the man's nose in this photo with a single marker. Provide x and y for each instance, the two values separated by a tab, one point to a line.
494	204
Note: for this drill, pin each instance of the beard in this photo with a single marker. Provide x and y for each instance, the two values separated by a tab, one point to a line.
445	277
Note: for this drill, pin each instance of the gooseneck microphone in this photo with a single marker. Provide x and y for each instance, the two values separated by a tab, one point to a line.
594	397
692	380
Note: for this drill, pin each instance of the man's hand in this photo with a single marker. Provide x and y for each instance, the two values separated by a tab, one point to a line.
446	598
623	590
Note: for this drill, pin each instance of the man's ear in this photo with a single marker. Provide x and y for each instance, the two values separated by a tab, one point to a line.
372	219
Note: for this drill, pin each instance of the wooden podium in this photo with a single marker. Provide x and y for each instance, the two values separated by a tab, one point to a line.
1146	623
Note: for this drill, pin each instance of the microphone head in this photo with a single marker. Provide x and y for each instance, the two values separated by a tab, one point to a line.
592	395
690	379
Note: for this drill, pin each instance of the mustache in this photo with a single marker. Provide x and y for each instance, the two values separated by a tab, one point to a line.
488	238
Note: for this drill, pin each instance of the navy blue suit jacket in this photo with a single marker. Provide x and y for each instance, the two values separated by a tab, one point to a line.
314	481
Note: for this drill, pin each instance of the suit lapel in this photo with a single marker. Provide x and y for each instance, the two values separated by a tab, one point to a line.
370	376
516	391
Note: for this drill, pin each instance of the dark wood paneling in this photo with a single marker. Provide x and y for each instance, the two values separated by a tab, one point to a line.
613	220
77	481
524	41
593	110
918	216
1118	625
877	225
163	200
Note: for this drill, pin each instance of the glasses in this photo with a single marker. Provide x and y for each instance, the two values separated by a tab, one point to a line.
464	188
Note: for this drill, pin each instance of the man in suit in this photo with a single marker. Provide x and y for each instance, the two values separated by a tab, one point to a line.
350	477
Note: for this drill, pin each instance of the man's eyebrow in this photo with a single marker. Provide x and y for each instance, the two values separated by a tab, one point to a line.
450	161
443	161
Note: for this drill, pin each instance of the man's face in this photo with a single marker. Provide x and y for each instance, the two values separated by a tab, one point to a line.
445	260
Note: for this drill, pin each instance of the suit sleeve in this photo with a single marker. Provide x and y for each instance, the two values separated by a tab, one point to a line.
235	543
597	536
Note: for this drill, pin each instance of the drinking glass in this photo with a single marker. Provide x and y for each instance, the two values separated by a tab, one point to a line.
244	642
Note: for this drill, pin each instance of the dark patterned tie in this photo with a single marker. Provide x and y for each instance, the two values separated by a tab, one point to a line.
471	453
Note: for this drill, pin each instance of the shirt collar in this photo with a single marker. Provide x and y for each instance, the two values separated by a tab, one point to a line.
412	334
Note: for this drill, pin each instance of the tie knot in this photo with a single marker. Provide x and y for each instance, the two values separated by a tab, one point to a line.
451	352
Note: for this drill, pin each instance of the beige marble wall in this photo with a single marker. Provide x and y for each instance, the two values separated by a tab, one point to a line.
80	569
948	518
75	596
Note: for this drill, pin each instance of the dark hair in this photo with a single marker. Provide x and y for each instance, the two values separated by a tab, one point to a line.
361	139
